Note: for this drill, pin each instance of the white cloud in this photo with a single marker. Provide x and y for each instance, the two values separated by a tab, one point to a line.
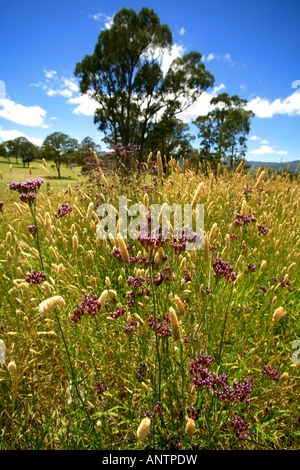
25	115
13	134
264	141
212	56
267	149
254	137
182	31
103	18
86	105
50	73
263	108
227	58
201	106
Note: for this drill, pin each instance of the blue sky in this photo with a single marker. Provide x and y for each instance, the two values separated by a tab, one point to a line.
251	48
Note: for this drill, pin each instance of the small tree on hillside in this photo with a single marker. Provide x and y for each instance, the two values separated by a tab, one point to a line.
59	148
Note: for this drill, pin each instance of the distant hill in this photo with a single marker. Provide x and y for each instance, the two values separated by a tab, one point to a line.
275	165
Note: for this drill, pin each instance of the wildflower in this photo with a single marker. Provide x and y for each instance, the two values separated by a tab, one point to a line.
35	278
241	429
63	210
100	388
27	187
143	428
50	303
1	206
271	373
223	269
89	304
28	198
32	229
264	288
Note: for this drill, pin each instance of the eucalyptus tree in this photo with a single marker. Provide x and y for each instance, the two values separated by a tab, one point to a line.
59	148
223	131
124	75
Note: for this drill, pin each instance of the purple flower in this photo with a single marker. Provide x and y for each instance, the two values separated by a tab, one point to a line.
89	304
223	269
271	373
1	206
241	429
63	210
28	198
35	278
100	388
29	186
32	229
264	288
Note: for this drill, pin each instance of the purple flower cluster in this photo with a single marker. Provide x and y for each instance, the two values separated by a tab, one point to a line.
193	413
271	373
100	388
241	219
172	445
141	371
32	229
129	327
119	312
251	268
162	325
63	210
28	198
202	377
262	230
223	269
35	278
27	190
89	304
29	186
241	428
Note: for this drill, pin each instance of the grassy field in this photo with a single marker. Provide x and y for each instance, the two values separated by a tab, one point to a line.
144	344
15	171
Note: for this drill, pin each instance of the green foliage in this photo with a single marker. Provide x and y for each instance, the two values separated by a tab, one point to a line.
20	147
224	130
60	148
136	100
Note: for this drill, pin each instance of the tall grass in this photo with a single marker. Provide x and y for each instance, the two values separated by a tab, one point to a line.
184	349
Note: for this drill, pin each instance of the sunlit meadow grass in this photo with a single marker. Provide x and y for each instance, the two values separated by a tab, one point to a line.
164	354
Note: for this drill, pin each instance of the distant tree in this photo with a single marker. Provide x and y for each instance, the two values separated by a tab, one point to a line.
84	149
59	148
125	77
224	130
21	148
3	151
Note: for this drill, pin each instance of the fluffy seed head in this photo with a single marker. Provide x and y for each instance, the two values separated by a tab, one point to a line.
174	324
143	428
190	427
123	249
277	314
49	304
11	366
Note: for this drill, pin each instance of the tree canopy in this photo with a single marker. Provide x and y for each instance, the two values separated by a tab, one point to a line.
224	130
137	100
59	148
